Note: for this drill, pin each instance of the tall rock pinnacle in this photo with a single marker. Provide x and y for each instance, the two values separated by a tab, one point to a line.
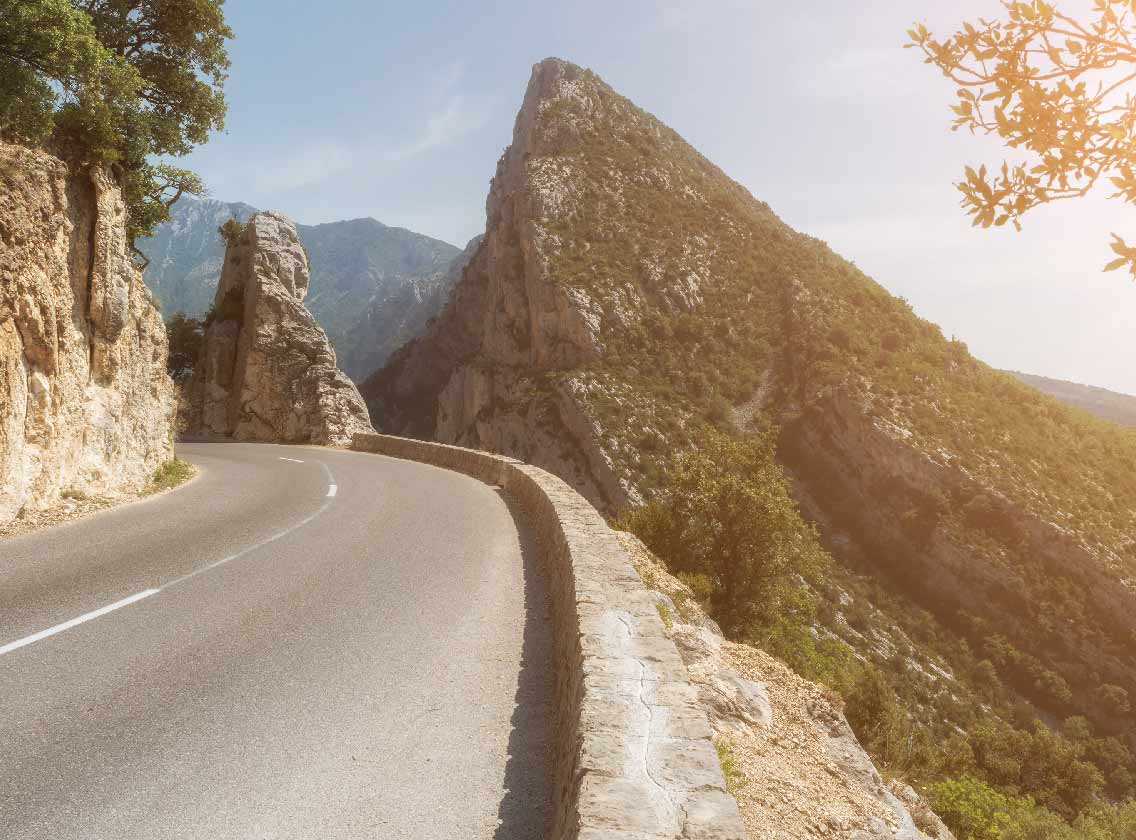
267	370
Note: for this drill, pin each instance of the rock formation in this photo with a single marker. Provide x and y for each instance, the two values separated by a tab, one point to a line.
267	371
85	402
475	377
372	286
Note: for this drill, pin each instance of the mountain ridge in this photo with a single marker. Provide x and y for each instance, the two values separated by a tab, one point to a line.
1104	403
630	302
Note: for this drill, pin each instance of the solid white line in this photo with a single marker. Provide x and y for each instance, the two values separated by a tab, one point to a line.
332	490
67	625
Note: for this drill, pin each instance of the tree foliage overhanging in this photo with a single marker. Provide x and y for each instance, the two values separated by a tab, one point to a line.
1057	88
116	82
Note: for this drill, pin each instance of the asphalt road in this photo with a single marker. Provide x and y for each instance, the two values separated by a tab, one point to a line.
250	656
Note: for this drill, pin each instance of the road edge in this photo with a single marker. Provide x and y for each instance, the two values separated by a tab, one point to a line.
58	516
634	759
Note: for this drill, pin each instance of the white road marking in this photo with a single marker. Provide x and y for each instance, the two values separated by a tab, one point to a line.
125	602
293	460
67	625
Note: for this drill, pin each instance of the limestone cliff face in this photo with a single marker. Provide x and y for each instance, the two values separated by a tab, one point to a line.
484	372
85	401
267	370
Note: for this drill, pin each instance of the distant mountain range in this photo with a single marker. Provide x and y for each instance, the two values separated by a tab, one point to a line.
1105	404
372	285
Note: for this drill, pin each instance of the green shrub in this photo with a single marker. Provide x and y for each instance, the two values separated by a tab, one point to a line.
724	512
170	475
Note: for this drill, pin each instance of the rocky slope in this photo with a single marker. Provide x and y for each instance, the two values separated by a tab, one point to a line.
1105	404
267	371
86	406
628	297
797	768
356	267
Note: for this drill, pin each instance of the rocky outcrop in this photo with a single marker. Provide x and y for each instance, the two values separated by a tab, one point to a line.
86	405
373	287
800	772
630	302
267	371
479	376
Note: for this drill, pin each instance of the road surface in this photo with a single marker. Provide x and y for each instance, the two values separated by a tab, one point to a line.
300	643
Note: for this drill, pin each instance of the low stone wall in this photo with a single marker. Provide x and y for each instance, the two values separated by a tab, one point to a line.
634	757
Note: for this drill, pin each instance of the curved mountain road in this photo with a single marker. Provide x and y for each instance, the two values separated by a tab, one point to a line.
300	643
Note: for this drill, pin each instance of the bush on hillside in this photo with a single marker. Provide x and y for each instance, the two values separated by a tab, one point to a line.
725	514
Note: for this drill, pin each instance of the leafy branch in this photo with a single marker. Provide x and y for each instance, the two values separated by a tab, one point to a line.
1056	89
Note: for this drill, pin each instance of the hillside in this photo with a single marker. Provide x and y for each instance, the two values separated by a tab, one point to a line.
356	265
966	544
396	313
1105	404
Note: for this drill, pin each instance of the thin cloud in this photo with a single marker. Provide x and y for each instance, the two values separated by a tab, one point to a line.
457	117
311	163
452	115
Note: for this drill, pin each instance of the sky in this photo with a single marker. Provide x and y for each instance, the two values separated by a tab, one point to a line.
399	111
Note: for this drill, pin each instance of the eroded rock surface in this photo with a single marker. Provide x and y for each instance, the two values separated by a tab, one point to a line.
484	373
801	771
86	406
267	370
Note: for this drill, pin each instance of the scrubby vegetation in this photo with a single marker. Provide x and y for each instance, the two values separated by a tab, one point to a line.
186	337
169	475
736	353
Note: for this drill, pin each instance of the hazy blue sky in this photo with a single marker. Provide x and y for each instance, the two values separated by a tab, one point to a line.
353	108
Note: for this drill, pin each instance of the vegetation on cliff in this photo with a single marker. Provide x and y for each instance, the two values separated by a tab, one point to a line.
107	82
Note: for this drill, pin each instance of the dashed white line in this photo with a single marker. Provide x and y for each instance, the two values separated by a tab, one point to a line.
332	490
75	622
293	460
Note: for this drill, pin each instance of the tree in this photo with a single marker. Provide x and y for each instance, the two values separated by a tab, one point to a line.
1054	87
52	61
186	337
725	517
116	82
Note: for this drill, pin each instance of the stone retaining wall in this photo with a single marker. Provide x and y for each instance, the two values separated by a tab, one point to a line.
634	757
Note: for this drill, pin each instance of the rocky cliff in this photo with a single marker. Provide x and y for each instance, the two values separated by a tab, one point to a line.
477	377
267	371
372	286
85	402
629	299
